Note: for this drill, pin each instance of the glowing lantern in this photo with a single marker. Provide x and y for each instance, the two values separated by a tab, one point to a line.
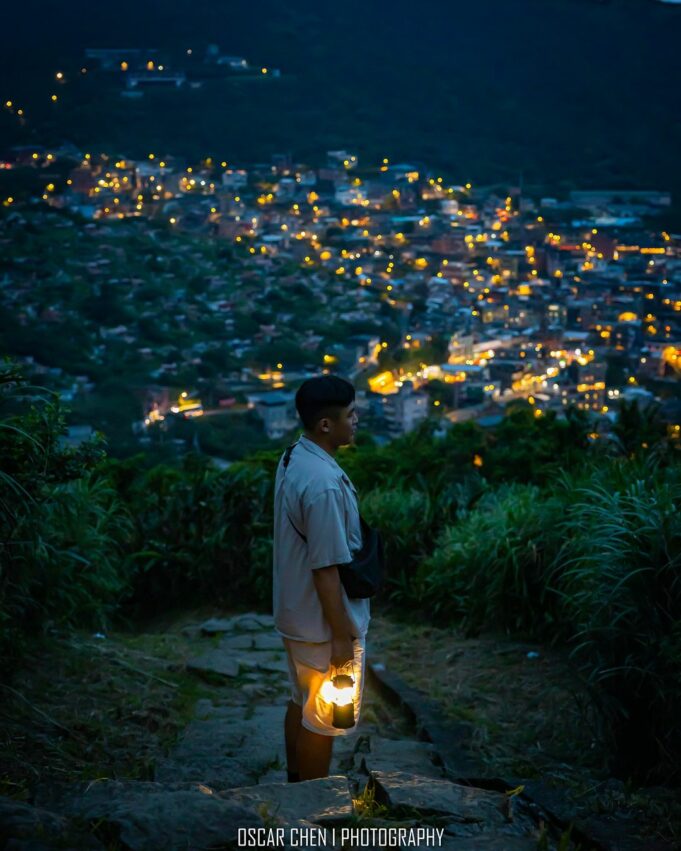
339	691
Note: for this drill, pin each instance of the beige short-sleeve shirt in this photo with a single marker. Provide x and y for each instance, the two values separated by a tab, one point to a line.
321	501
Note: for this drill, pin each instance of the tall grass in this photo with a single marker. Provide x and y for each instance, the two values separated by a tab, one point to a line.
61	528
618	579
76	574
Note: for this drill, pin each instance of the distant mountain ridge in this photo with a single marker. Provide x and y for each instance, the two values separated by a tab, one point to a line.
574	92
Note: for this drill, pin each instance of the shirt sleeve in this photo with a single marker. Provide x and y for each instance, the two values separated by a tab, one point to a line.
327	541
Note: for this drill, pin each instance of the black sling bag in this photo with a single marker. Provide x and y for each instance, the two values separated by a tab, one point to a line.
363	576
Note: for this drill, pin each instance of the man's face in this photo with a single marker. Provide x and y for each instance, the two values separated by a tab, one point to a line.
341	429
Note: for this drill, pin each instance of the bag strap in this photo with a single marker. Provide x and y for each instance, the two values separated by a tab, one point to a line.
287	454
294	526
287	458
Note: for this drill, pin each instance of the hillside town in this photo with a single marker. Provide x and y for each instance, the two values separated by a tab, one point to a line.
215	288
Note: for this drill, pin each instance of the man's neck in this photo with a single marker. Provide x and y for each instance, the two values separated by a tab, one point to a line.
325	445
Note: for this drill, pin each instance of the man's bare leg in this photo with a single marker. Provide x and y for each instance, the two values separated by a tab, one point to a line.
313	754
291	729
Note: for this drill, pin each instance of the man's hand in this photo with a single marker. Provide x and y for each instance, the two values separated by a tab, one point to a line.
342	652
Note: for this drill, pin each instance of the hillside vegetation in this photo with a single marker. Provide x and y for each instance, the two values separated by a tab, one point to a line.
529	531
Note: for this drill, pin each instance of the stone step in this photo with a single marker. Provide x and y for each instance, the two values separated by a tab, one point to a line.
224	747
468	809
405	755
229	663
326	800
250	622
146	815
30	828
227	772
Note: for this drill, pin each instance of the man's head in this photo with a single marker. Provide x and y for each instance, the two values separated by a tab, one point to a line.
326	405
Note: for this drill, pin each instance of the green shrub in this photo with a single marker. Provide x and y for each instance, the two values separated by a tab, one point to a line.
199	534
488	568
404	518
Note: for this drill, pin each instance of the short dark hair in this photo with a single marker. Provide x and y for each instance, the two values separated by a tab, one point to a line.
322	396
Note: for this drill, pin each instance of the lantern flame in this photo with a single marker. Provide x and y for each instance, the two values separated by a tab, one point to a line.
338	696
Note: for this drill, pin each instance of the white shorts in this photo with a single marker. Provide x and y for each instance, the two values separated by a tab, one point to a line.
309	666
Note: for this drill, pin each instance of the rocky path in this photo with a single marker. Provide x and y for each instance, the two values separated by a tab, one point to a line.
223	785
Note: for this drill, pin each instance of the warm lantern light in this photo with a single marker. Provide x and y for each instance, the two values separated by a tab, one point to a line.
339	691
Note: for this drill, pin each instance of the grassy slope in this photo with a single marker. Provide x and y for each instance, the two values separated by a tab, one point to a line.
529	717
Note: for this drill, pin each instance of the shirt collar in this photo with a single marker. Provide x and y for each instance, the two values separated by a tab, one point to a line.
311	446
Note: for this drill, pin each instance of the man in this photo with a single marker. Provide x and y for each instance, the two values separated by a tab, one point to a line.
316	528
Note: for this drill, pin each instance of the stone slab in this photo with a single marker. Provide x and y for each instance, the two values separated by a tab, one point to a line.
250	622
268	641
214	662
230	664
218	772
319	801
225	747
271	663
450	739
241	641
149	815
407	755
252	641
432	795
30	828
613	833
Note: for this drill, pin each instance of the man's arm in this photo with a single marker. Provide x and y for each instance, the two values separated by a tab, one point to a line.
328	586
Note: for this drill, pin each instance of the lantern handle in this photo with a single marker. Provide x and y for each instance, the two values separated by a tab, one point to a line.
343	668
